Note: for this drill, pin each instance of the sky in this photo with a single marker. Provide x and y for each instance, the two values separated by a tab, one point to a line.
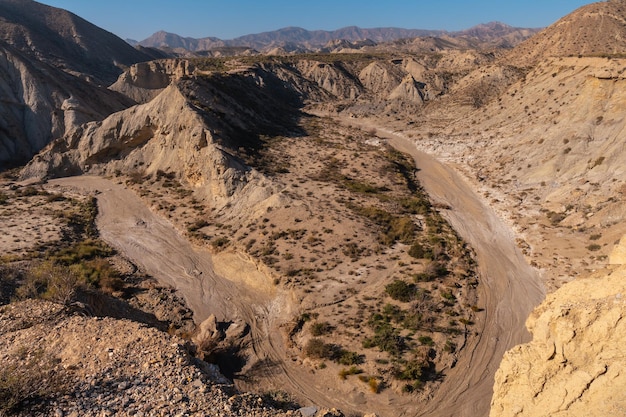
227	19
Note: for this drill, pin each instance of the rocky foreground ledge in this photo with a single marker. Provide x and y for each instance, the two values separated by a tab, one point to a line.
576	363
62	364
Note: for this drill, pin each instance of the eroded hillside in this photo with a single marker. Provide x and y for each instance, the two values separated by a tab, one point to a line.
306	246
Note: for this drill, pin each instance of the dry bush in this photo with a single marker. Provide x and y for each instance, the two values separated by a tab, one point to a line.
30	376
51	281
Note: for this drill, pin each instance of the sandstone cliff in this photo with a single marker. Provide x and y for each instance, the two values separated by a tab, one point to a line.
575	365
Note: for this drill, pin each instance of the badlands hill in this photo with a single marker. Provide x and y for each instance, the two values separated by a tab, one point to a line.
66	41
53	66
593	30
42	102
309	254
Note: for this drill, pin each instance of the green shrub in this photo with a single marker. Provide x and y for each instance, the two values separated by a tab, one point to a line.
51	281
386	338
350	358
353	370
418	251
426	340
401	290
316	348
320	328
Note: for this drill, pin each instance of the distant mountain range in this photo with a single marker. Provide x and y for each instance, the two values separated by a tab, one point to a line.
307	39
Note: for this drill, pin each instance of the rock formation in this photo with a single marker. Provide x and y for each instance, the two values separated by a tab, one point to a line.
575	365
41	103
144	81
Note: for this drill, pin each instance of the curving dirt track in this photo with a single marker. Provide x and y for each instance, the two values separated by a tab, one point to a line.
509	290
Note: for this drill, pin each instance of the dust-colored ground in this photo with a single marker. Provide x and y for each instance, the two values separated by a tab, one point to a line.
211	284
31	218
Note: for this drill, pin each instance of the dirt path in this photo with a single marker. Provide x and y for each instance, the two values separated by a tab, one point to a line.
509	288
154	245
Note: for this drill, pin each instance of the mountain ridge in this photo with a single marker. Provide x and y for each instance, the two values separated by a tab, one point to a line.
319	38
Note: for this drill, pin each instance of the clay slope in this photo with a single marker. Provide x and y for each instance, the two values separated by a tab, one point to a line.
41	103
64	40
597	29
575	364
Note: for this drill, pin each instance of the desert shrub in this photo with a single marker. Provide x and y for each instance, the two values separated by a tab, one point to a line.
99	273
84	250
353	250
401	290
594	247
27	192
374	385
448	296
449	346
416	205
317	348
55	197
411	371
197	225
436	270
426	340
220	242
4	199
34	378
393	313
320	328
353	370
386	338
281	400
598	161
361	187
418	251
347	357
393	228
51	281
556	218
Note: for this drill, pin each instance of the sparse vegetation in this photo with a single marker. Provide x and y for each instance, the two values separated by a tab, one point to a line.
32	378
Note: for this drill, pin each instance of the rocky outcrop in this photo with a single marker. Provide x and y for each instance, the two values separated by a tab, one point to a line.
575	365
144	81
380	78
332	78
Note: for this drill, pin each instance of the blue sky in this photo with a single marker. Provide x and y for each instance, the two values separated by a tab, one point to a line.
227	19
